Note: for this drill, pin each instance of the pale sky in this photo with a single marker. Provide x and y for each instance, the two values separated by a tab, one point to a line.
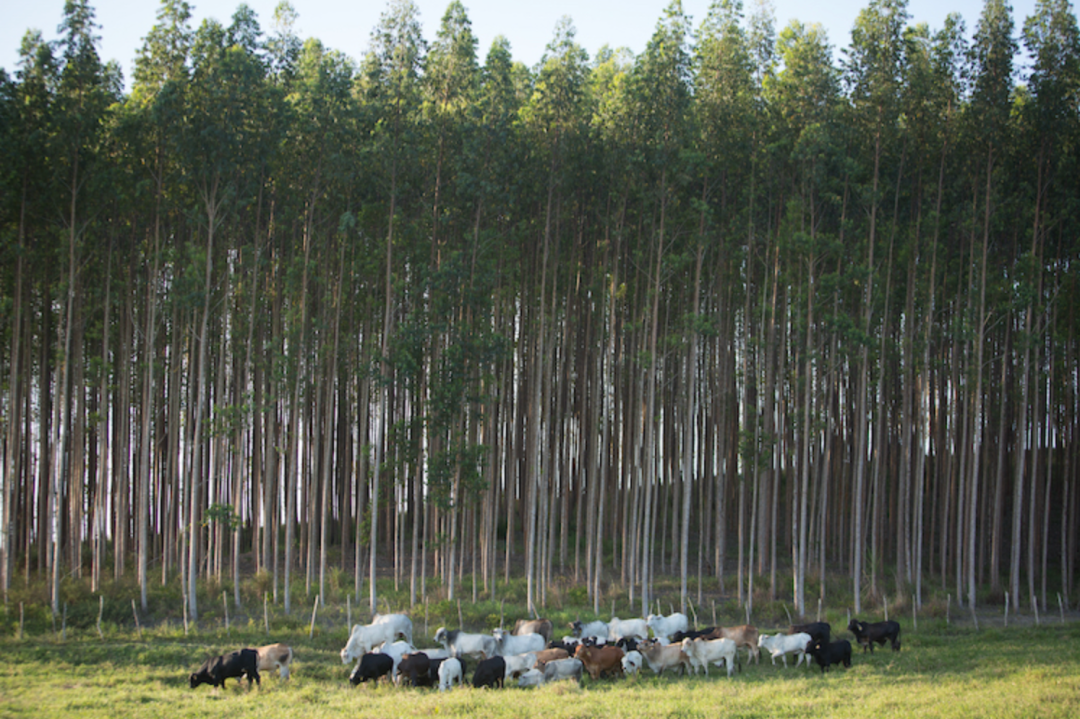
346	26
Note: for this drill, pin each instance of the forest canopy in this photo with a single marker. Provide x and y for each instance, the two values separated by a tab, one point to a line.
739	307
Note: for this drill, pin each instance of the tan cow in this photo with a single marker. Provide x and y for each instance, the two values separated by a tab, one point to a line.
745	635
275	656
600	660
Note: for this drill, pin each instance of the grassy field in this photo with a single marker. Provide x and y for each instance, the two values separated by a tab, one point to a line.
942	671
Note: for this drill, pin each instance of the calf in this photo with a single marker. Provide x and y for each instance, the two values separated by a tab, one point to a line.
531	678
780	645
600	660
451	670
816	630
490	673
415	669
275	656
828	654
664	656
866	633
518	664
372	666
216	670
631	663
744	635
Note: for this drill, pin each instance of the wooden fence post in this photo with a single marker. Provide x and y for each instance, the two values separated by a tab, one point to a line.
266	612
135	613
314	609
225	603
100	611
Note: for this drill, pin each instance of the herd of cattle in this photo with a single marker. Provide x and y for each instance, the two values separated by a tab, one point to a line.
529	655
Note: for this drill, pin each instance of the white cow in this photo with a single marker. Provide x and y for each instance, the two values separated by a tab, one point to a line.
396	651
597	630
384	628
664	627
619	628
275	656
780	645
519	664
449	672
563	669
631	663
531	678
703	652
459	643
508	644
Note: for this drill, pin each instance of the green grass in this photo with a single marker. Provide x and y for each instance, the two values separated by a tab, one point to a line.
943	671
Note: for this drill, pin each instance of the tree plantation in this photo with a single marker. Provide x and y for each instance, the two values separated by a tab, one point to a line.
742	308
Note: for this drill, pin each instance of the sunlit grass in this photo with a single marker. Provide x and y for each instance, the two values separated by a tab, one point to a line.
941	672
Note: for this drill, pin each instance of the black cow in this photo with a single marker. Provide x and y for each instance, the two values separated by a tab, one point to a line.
490	673
880	632
816	630
372	666
415	669
828	654
707	633
628	644
216	670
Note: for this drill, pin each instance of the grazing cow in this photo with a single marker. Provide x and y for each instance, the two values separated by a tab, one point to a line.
600	660
663	627
414	668
451	670
744	635
490	672
550	655
396	651
664	656
780	645
275	656
384	629
631	663
372	666
816	630
215	670
866	633
508	645
531	678
459	643
627	644
563	669
543	627
631	628
518	664
433	653
595	630
828	654
702	652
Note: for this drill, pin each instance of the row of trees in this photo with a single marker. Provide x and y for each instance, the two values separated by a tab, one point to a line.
727	308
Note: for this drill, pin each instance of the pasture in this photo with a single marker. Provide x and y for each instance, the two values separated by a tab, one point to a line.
942	671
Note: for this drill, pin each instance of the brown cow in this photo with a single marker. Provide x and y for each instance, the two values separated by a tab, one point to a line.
600	660
543	627
550	655
745	635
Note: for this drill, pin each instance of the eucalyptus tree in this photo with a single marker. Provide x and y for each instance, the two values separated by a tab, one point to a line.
874	72
158	95
661	77
84	93
803	97
1052	40
29	125
390	87
552	117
